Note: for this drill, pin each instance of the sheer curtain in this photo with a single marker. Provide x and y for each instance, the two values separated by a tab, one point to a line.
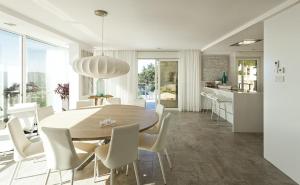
189	76
124	87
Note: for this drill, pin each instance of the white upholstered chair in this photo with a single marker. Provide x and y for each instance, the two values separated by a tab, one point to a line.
155	129
139	102
122	150
62	153
83	104
26	113
44	112
157	143
112	101
23	148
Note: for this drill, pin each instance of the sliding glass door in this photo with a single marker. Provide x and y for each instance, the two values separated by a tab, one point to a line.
10	71
147	82
30	71
46	67
158	82
168	83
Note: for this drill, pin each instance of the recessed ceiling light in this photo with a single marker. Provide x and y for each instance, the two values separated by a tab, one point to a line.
10	24
246	42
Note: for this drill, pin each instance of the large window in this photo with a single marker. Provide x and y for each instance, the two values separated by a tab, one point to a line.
46	67
31	77
10	70
247	75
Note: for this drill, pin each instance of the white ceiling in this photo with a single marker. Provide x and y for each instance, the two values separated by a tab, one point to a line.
143	24
254	32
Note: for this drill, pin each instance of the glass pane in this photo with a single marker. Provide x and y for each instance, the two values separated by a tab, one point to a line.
146	81
10	71
169	84
240	74
247	77
46	68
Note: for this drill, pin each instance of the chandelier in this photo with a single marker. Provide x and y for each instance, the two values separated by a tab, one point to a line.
100	66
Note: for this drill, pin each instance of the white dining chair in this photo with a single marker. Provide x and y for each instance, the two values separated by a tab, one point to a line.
44	112
26	113
155	129
157	143
113	101
121	151
83	104
139	102
23	147
61	153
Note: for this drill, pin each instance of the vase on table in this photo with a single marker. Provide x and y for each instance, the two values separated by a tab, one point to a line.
65	104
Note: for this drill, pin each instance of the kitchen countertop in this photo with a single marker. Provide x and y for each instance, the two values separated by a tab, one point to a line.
233	91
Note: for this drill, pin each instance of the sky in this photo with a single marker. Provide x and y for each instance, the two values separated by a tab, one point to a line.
144	62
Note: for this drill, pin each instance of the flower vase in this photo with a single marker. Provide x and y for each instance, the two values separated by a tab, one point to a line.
65	104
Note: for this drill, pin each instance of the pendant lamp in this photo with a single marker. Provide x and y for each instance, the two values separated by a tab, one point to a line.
102	67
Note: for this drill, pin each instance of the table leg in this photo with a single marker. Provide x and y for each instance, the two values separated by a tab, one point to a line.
86	162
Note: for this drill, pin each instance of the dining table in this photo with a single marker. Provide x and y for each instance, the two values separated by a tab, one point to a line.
87	124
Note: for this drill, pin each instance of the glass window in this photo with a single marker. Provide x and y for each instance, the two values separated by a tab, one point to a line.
169	84
46	68
247	75
10	70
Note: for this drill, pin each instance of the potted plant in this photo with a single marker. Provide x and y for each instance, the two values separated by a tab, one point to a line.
63	91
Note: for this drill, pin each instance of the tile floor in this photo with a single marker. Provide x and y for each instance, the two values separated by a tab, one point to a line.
202	154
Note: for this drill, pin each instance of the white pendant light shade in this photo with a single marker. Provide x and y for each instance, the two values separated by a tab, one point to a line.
102	67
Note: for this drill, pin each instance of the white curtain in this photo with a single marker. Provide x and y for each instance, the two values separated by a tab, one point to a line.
189	76
124	87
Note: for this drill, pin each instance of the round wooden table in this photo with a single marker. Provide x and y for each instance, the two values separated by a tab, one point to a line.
84	124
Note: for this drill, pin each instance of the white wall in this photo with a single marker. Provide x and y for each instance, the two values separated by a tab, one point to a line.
281	100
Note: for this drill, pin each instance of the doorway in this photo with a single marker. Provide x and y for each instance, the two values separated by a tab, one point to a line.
158	82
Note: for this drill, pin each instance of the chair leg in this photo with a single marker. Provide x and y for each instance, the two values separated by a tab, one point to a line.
127	167
212	111
72	177
111	176
136	173
14	173
162	167
168	158
61	182
96	173
219	111
225	110
47	178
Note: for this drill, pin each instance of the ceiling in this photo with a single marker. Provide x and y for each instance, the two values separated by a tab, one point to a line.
254	32
141	24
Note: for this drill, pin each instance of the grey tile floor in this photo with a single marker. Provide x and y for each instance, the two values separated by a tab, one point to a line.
202	154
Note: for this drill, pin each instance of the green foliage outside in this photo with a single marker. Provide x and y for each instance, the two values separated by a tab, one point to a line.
147	77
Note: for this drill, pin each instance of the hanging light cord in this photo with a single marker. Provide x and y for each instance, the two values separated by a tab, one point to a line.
102	41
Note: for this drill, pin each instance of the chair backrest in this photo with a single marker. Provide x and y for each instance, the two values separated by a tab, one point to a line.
111	101
160	111
83	103
140	103
162	135
27	114
18	138
59	148
44	112
123	147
